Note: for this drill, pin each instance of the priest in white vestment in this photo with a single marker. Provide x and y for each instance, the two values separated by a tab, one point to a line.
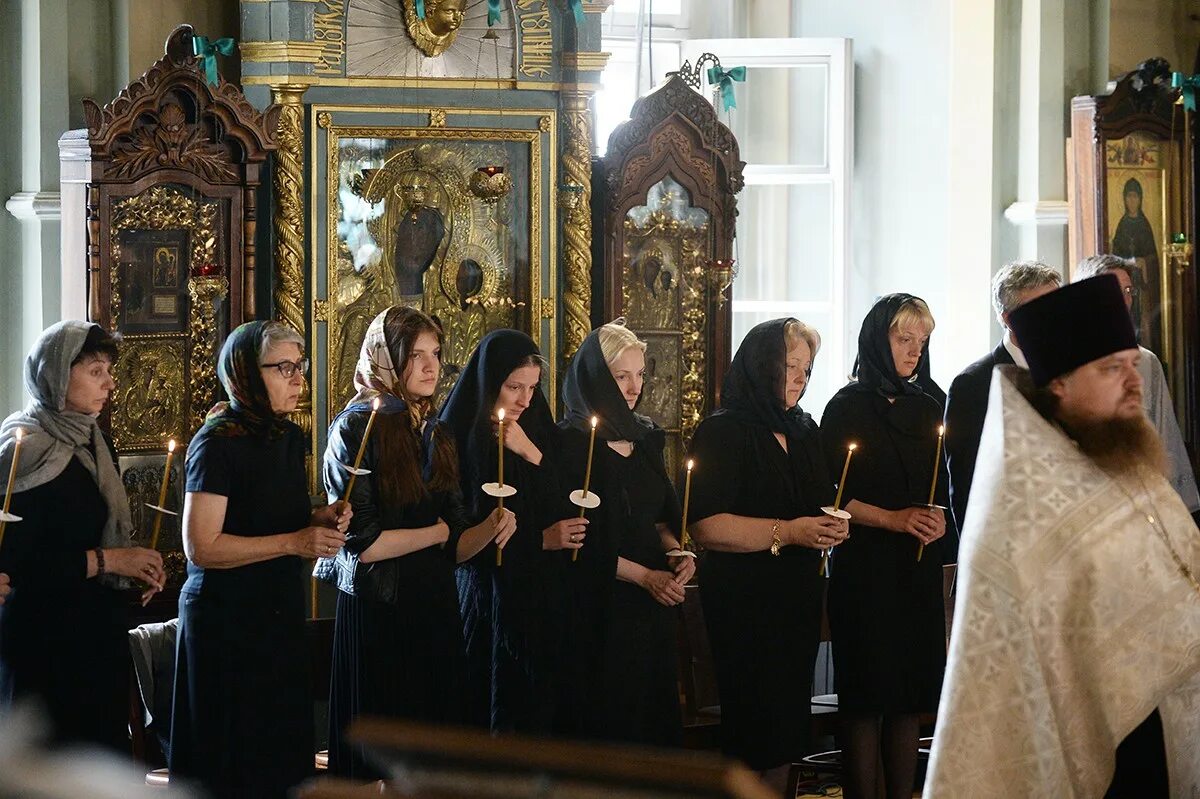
1078	610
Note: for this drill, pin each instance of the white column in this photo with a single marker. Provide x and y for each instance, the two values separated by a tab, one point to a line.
44	115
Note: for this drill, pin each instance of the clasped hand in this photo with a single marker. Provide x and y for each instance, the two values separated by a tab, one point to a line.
816	532
925	524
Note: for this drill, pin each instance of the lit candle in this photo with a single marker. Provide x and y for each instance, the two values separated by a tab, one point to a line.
587	477
12	477
837	504
500	479
687	494
162	494
937	465
837	501
362	448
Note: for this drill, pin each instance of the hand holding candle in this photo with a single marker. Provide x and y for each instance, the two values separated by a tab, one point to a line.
12	477
587	479
937	465
837	505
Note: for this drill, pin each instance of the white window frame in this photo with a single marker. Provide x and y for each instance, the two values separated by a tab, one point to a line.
839	149
623	25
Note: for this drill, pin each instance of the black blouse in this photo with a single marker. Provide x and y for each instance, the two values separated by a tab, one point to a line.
265	483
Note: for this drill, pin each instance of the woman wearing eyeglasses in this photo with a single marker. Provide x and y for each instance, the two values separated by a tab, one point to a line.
243	721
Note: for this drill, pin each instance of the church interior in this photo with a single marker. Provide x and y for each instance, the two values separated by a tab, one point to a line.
174	169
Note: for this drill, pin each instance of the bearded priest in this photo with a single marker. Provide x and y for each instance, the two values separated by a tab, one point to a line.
1078	615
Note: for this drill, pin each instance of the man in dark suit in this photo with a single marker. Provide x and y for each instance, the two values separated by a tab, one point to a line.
966	404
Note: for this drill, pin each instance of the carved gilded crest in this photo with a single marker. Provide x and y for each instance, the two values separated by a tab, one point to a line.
436	33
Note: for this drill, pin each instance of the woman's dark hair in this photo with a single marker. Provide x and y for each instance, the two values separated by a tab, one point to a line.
1133	186
99	343
400	479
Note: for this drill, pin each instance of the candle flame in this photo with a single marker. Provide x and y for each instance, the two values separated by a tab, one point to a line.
941	429
375	404
690	463
500	414
595	421
171	445
20	434
853	447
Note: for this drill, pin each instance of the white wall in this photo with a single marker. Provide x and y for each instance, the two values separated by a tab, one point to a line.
899	196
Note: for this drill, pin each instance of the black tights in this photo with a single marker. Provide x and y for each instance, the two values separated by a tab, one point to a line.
865	741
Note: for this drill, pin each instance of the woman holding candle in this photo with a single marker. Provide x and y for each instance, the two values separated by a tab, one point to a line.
243	720
398	646
625	669
63	629
761	479
886	610
512	609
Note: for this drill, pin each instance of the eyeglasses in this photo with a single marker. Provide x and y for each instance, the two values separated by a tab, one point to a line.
288	368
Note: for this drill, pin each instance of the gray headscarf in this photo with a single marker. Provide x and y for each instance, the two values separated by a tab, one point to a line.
53	435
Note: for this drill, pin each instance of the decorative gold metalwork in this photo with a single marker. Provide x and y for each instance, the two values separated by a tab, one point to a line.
149	403
489	183
437	117
297	52
324	120
577	227
545	124
288	220
444	167
321	310
206	294
721	274
665	285
435	34
548	307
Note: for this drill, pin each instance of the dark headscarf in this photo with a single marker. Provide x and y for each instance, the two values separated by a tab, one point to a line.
589	390
248	411
753	388
468	409
874	368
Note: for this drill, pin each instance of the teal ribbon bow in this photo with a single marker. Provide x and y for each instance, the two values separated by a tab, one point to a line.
577	10
493	12
723	79
1187	85
208	52
420	4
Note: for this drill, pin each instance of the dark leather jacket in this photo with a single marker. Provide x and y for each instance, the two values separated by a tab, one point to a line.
417	576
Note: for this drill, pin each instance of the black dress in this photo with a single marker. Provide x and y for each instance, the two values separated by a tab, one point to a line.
243	717
763	613
397	648
63	637
886	611
513	615
623	643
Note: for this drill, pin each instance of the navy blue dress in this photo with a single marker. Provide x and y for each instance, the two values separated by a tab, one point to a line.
243	718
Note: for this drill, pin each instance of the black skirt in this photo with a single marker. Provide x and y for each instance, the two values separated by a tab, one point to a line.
391	661
243	722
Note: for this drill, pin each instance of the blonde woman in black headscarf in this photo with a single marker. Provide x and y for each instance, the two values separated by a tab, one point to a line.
63	628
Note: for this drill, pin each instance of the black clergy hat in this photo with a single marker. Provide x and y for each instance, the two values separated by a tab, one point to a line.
1076	324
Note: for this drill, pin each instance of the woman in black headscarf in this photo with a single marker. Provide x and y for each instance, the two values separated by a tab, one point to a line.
760	481
513	608
243	718
886	611
397	638
63	633
625	671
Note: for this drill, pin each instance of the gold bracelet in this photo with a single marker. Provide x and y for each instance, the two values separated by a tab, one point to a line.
776	541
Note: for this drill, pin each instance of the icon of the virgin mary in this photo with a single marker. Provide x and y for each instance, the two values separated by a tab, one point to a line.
416	239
